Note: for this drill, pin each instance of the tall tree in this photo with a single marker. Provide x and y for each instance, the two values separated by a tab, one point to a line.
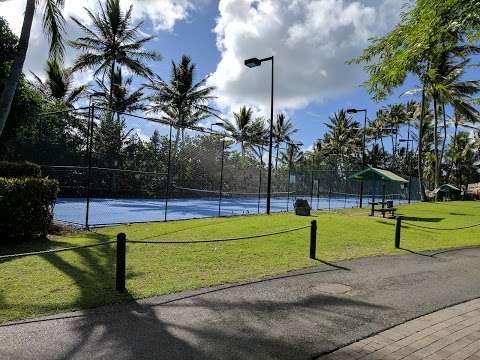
123	98
182	101
59	84
111	41
53	23
425	30
283	129
342	139
245	129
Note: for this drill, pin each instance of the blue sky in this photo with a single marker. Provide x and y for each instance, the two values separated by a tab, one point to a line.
310	39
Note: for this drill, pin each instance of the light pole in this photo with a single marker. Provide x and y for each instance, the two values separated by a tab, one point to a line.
254	62
408	140
354	111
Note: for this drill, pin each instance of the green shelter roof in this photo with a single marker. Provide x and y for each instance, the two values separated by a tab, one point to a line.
379	174
446	188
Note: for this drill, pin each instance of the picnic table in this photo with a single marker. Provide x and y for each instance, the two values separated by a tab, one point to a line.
388	209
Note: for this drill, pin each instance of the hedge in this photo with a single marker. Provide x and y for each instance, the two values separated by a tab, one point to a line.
19	169
26	206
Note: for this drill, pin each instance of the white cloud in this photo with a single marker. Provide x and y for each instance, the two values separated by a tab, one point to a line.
163	14
310	40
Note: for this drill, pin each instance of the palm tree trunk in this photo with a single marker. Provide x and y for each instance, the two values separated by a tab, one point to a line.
454	151
112	74
276	157
11	83
423	196
442	152
436	175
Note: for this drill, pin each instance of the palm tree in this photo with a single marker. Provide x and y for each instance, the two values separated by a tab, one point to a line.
53	27
123	99
462	157
395	117
283	129
182	101
245	129
59	85
377	126
111	41
443	84
293	155
342	139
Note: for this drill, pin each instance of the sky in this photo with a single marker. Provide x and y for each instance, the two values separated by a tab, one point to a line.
310	40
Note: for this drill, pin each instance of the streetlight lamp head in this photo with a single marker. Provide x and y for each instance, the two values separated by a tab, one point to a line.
253	62
352	111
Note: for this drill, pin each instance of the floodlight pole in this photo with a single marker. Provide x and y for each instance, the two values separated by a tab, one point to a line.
253	63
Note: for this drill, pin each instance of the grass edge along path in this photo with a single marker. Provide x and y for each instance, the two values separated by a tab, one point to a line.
47	284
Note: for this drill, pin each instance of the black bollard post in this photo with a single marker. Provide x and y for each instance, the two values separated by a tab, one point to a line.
398	229
121	247
313	239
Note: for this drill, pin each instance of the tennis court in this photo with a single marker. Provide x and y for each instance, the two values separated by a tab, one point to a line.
108	211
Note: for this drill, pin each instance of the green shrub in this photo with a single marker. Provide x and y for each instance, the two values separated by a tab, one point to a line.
26	206
19	169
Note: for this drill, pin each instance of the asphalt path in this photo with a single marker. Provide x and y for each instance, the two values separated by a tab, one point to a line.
298	315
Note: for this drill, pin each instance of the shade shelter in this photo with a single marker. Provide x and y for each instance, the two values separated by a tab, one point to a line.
447	190
377	176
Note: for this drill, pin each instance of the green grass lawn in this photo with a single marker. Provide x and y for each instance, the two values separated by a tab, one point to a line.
52	283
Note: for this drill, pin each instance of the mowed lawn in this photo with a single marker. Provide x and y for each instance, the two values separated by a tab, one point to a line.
46	284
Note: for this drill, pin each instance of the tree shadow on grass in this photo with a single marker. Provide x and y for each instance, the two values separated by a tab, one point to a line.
421	219
92	274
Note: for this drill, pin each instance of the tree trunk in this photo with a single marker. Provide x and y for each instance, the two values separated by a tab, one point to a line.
442	152
276	157
112	74
13	78
436	174
423	196
454	150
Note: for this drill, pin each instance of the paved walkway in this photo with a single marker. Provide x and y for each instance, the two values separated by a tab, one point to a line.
299	315
452	333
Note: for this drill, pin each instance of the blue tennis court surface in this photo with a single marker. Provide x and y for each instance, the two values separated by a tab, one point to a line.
116	211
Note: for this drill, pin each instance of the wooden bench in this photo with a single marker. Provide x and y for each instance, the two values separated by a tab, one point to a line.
390	210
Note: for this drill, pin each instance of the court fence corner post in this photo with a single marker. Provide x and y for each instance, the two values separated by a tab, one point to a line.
121	260
313	239
398	229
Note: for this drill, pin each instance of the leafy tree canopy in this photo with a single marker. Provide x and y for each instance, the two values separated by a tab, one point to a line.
425	32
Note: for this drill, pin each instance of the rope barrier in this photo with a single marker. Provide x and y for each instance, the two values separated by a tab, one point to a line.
216	240
441	229
54	250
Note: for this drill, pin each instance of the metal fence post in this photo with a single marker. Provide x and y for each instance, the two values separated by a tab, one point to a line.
167	190
311	187
89	154
329	195
121	260
260	180
313	239
288	185
221	180
398	229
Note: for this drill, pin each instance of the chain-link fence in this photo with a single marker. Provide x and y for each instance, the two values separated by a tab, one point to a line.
123	168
